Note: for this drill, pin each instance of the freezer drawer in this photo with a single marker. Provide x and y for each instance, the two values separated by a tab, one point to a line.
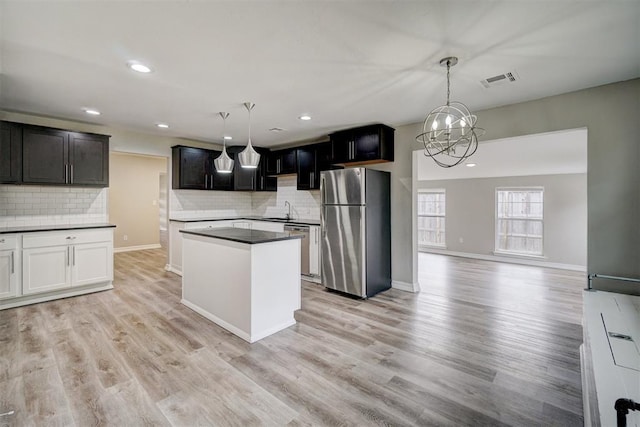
343	249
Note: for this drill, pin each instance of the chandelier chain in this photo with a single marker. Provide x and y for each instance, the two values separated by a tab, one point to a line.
448	82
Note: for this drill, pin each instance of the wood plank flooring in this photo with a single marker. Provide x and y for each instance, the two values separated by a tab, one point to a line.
483	344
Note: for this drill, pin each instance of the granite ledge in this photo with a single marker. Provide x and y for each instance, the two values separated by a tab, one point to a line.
243	235
39	228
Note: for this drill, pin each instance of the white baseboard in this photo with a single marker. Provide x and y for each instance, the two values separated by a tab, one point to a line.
173	270
405	286
137	248
508	259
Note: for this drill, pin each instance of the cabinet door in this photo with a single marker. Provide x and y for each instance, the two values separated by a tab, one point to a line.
314	250
190	167
306	158
272	163
45	269
288	162
91	263
8	282
10	153
366	144
244	179
88	159
45	156
341	144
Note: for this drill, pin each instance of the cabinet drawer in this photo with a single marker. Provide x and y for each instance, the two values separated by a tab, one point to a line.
207	224
57	238
8	242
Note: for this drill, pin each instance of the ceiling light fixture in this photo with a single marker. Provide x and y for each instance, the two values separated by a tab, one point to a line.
228	137
470	165
224	163
163	125
449	133
305	117
140	68
249	158
92	111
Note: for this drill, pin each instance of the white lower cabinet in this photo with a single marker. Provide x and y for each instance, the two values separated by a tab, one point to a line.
8	268
45	269
91	263
58	260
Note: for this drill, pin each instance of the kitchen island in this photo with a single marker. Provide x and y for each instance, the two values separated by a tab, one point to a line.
246	281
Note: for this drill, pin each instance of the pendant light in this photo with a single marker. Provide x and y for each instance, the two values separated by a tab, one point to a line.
249	158
449	133
224	163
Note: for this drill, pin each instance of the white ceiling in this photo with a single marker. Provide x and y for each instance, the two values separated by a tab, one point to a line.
345	63
550	153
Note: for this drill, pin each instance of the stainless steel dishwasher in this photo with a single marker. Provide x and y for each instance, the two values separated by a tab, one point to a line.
304	245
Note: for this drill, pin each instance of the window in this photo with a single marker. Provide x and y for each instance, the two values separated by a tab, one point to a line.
519	220
431	218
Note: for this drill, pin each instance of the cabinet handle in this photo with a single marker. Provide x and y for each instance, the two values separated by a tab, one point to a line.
211	182
70	174
311	179
66	173
13	263
68	254
1	240
74	255
205	181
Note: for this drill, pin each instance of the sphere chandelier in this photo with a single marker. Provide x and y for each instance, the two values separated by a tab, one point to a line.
449	133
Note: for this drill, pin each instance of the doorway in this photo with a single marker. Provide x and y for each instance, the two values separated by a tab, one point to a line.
520	200
138	200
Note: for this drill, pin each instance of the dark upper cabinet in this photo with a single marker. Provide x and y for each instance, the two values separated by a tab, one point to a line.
244	179
88	159
54	156
45	155
264	182
194	169
190	168
312	159
367	144
282	162
10	153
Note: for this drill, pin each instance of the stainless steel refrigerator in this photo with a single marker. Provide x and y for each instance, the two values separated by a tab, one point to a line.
356	231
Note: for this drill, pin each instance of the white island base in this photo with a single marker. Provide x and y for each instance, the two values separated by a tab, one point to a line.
250	289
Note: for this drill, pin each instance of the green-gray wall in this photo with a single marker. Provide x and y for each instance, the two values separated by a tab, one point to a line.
471	210
610	113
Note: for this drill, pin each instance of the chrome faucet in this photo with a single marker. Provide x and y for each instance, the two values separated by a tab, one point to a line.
286	203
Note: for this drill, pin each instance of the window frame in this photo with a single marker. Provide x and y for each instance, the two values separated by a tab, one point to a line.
497	249
443	216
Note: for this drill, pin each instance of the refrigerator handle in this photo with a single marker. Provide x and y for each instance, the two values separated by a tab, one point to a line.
323	190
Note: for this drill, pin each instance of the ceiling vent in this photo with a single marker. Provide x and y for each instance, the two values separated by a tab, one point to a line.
276	130
500	79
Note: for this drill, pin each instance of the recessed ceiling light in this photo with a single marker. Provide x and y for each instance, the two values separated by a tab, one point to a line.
470	165
163	125
92	111
305	117
137	66
228	137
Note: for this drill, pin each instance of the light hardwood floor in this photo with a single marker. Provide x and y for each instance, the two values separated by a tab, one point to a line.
482	344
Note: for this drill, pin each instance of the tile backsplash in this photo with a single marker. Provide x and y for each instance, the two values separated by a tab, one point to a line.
209	204
305	204
24	205
43	205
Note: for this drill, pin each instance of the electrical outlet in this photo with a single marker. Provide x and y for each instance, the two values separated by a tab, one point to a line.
125	237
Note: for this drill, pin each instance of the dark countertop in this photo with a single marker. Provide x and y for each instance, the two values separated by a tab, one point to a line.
37	228
242	235
251	218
